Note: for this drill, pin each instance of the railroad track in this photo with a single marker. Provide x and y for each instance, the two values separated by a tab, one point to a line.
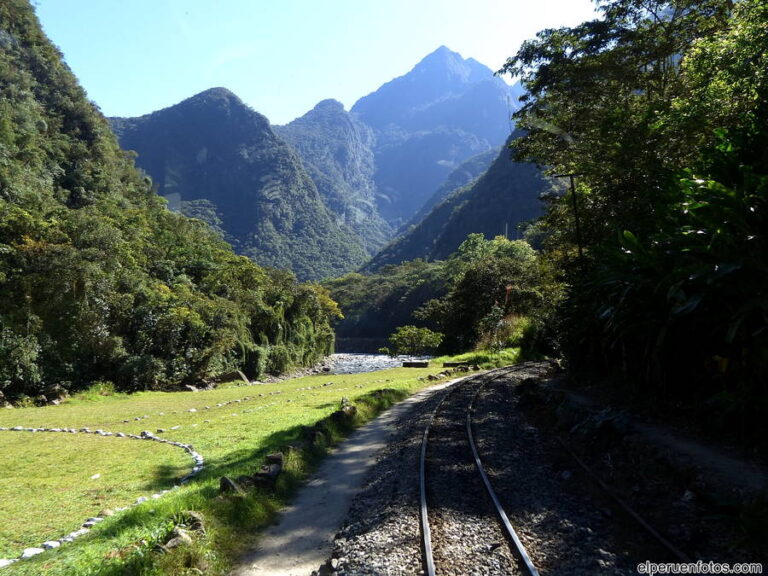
457	500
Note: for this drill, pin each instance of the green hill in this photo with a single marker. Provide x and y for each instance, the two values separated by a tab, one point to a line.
214	148
99	281
493	205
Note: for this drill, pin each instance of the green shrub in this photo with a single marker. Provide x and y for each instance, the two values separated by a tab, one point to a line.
255	362
414	341
279	359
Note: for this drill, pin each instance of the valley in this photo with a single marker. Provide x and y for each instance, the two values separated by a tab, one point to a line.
558	270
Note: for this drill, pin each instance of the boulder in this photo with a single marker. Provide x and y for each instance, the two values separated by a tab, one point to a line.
178	537
345	415
276	458
228	485
194	520
230	376
55	392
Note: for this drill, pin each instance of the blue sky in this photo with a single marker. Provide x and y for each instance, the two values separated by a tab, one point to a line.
280	56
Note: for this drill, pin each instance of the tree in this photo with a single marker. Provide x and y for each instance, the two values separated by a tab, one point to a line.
662	108
414	341
485	274
597	100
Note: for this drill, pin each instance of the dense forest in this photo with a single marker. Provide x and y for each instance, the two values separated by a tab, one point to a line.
99	281
660	109
650	274
488	293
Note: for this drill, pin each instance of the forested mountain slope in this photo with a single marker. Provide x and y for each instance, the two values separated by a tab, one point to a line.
214	148
494	204
337	150
466	173
98	280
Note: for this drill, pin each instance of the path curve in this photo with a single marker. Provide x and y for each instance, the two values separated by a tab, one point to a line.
302	539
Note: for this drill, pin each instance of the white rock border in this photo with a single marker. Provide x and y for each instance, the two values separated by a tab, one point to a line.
145	435
90	522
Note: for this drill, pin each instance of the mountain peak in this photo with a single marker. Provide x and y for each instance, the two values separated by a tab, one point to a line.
220	104
329	105
442	52
452	65
217	95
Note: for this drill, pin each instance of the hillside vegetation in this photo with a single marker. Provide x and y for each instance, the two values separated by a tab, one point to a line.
489	293
213	148
98	280
497	203
661	109
337	150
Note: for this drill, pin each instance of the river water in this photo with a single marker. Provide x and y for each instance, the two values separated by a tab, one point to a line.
349	363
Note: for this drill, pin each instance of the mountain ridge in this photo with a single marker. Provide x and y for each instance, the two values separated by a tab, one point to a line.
430	120
500	199
213	147
337	150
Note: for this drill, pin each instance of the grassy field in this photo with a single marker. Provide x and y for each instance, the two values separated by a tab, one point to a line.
50	482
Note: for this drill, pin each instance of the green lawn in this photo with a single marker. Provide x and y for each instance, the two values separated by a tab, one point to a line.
47	487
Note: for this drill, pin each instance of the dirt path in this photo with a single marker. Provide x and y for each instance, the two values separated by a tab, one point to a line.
303	537
718	464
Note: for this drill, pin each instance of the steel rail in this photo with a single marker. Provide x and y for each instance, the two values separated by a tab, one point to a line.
426	533
676	552
519	551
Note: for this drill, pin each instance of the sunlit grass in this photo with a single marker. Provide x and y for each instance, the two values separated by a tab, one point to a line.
50	483
485	358
42	470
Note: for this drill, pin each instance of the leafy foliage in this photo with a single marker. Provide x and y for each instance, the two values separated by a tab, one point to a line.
414	341
375	305
456	296
98	280
489	280
661	107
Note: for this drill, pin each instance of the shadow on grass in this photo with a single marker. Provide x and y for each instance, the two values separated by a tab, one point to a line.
166	475
232	520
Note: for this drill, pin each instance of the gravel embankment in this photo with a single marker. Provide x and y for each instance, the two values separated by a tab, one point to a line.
466	537
564	524
381	533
